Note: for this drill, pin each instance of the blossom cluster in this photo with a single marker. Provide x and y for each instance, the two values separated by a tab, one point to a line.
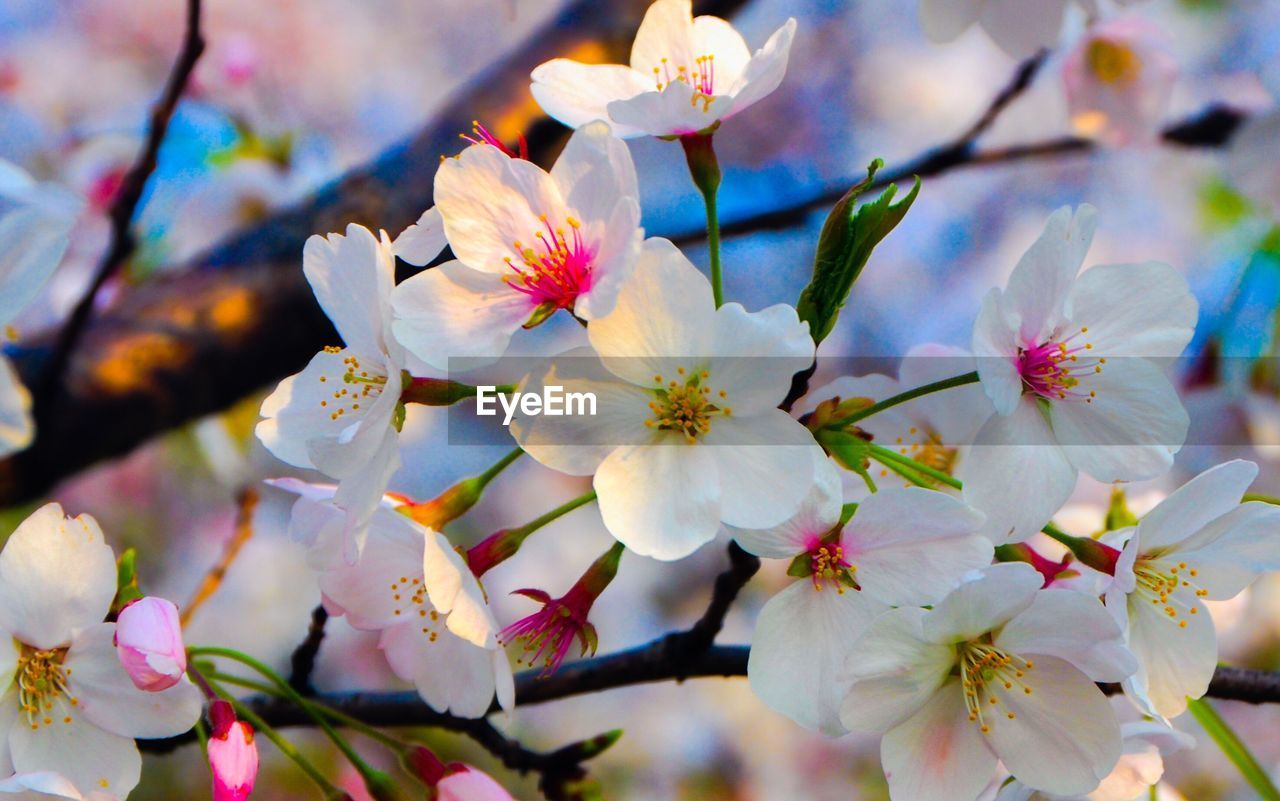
911	511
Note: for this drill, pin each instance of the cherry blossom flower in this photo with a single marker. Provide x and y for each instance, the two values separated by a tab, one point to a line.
341	414
529	243
1200	543
233	755
1140	767
45	786
455	781
149	644
688	433
35	224
1119	80
74	709
686	75
902	546
1069	364
1018	27
410	585
998	671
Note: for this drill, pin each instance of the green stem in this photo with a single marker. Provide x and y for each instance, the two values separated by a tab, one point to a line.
339	717
502	545
1234	748
903	397
560	511
1255	496
262	727
886	456
502	464
700	153
713	246
373	777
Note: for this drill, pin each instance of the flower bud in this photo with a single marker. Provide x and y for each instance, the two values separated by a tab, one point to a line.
233	756
149	643
451	782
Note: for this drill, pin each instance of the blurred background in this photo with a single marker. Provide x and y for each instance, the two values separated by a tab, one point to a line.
290	95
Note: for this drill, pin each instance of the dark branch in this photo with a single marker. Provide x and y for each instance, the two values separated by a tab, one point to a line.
125	204
303	660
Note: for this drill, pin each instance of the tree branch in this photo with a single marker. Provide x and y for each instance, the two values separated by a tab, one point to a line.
125	204
303	660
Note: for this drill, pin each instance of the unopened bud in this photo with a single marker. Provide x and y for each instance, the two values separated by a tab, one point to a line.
149	643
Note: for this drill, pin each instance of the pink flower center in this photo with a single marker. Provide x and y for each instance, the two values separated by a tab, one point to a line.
549	633
1054	369
828	566
556	269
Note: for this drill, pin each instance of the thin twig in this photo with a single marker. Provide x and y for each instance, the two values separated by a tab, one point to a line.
125	204
247	502
303	661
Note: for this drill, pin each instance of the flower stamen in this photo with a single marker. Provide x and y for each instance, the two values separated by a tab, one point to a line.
687	404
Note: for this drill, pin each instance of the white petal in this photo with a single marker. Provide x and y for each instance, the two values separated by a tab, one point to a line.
665	37
1039	286
937	753
32	243
1174	663
575	94
1143	310
360	493
451	674
1021	28
713	36
675	111
1016	474
756	354
8	665
894	672
765	463
577	444
802	640
660	500
36	786
1072	626
454	312
818	513
874	386
56	575
92	759
1064	738
352	277
421	242
16	426
1235	549
983	603
490	201
944	20
453	588
615	261
595	171
912	546
995	348
371	592
954	416
766	69
1195	504
662	318
108	698
1132	428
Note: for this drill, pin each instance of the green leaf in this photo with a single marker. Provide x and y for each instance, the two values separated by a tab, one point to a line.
127	590
848	237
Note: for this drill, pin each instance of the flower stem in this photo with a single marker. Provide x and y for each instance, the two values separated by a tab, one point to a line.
376	781
911	394
1234	748
894	460
1254	496
502	545
502	464
705	171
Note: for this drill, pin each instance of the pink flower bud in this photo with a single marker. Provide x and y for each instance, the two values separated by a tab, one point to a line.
149	643
233	759
469	784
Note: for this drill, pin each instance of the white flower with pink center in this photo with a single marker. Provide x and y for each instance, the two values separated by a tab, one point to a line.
999	671
67	703
529	243
902	546
35	225
342	414
1200	543
688	432
686	75
1119	80
436	627
1069	363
